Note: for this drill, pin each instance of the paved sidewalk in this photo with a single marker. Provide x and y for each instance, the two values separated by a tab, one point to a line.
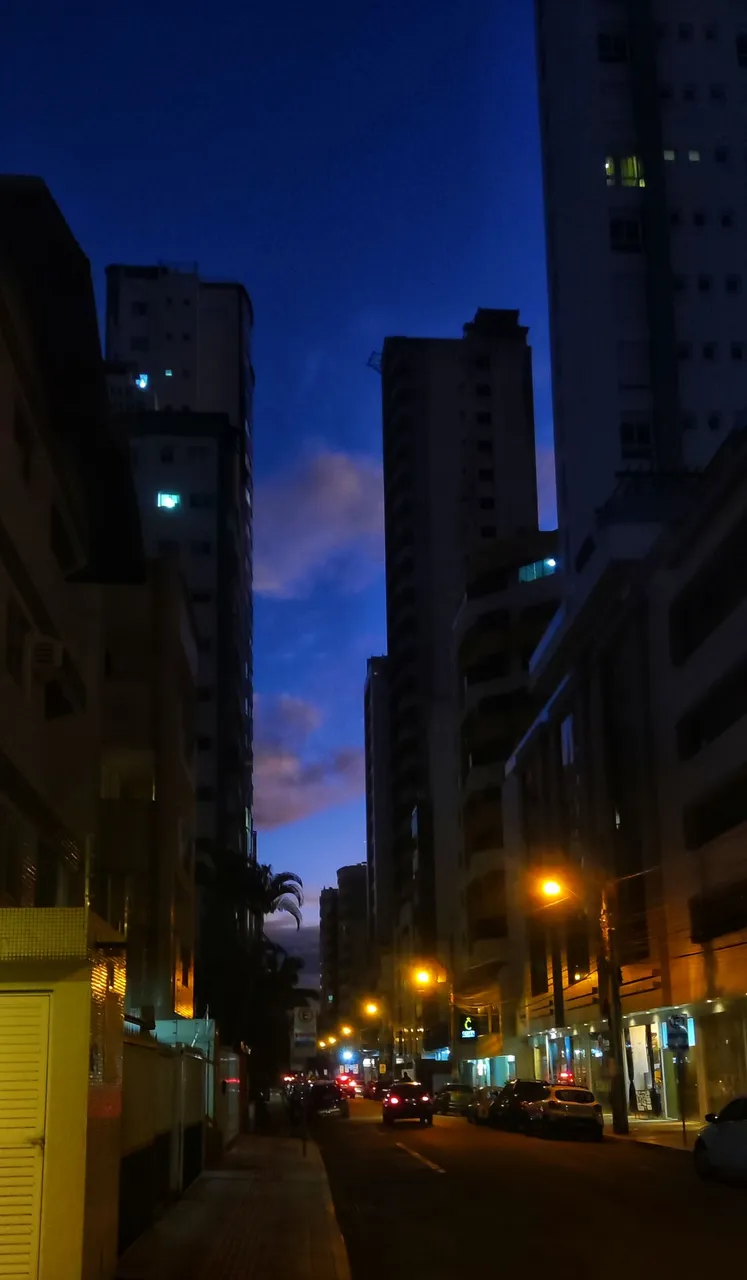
267	1214
658	1133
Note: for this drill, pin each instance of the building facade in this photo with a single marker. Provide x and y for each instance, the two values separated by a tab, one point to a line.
459	473
352	944
630	784
329	957
189	343
641	120
378	809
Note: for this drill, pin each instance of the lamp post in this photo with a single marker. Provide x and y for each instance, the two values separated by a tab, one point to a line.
609	990
424	979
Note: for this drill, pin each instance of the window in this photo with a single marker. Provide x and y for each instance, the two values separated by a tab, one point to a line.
485	446
704	284
722	706
484	418
742	50
674	218
712	816
139	309
670	156
718	93
689	93
167	454
168	373
709	350
17	630
712	595
721	154
206	794
733	284
685	31
538	569
693	157
612	46
727	219
714	421
737	351
710	31
631	171
201	548
635	441
202	501
201	597
204	744
699	218
168	501
59	540
680	283
482	363
683	350
610	170
487	531
197	452
487	504
139	344
625	235
205	693
482	389
185	337
486	473
24	441
688	422
665	91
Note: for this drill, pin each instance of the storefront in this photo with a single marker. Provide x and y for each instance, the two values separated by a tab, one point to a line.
494	1071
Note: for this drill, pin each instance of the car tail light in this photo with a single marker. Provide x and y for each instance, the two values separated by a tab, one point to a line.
425	1098
393	1102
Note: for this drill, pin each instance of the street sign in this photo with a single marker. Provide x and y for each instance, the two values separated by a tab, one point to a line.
677	1034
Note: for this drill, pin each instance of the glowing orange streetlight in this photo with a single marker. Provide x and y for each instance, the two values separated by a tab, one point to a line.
346	1031
371	1008
552	889
423	977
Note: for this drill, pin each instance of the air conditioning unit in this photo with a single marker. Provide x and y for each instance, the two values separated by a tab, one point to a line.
47	655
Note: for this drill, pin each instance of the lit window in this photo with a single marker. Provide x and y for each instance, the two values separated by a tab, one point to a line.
538	569
670	156
169	373
141	381
694	156
169	501
631	171
609	169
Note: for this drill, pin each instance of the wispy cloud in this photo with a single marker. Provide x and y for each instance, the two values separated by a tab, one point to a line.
322	518
292	780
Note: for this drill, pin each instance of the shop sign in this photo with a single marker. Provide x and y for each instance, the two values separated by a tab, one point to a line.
677	1034
471	1027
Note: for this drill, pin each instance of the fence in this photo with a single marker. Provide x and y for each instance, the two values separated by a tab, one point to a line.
163	1129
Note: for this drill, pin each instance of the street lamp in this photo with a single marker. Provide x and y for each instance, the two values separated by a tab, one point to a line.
346	1031
609	984
423	977
322	1044
332	1039
371	1008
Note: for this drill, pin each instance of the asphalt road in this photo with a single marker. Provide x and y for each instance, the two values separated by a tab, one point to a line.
456	1200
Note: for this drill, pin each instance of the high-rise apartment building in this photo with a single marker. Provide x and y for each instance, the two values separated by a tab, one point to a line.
329	953
351	938
378	814
188	344
642	118
459	473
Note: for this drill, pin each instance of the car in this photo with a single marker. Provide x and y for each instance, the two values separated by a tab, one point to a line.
721	1147
326	1098
510	1109
566	1108
453	1100
479	1104
373	1090
409	1101
347	1084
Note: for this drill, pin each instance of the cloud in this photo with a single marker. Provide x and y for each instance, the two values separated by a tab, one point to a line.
292	781
323	517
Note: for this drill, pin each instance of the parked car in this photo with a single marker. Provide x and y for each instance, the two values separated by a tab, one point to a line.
409	1101
566	1108
721	1147
347	1084
479	1104
453	1100
510	1108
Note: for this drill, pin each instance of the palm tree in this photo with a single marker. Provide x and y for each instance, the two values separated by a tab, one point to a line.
267	892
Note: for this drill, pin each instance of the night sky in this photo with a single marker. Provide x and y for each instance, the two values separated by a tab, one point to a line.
364	169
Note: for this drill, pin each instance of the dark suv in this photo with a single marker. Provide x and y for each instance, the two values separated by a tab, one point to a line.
509	1110
407	1102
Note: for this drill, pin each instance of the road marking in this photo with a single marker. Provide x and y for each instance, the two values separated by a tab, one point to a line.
435	1167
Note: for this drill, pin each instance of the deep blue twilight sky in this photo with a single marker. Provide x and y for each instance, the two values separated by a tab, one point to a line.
365	169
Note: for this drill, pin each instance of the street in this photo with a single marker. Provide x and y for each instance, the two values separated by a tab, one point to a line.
440	1202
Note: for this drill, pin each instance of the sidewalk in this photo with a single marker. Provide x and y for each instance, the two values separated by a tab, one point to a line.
267	1214
659	1133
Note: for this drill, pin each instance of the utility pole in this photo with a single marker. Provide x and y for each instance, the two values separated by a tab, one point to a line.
612	999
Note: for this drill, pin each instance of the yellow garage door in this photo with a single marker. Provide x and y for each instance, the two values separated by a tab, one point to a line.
24	1035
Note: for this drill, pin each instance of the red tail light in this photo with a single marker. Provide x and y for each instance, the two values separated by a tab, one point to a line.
393	1102
425	1098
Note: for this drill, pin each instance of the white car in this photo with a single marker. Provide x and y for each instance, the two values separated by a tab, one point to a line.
477	1111
566	1108
721	1147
